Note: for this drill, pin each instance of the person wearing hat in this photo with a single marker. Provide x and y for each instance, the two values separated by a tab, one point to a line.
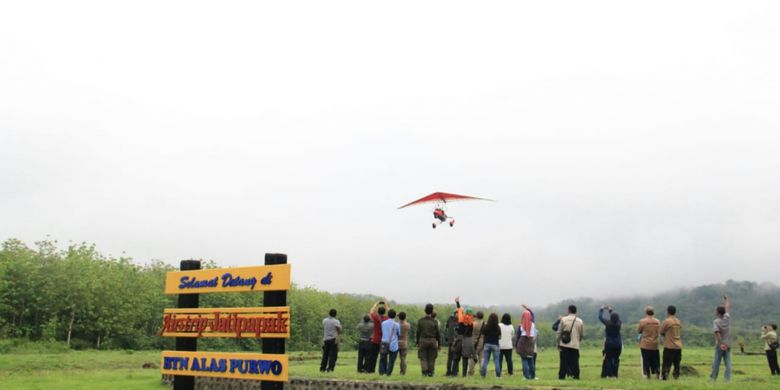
466	328
648	329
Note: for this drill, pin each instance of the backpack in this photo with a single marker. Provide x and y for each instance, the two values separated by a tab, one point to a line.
566	334
518	346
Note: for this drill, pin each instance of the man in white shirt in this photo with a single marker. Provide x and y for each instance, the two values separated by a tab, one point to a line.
570	331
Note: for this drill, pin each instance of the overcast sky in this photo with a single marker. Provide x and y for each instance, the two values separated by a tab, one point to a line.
632	147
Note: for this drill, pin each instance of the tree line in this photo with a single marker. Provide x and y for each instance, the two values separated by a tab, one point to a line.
86	299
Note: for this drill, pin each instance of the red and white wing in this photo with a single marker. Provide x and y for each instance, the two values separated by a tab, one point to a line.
441	197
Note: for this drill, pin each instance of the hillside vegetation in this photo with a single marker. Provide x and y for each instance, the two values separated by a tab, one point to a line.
85	299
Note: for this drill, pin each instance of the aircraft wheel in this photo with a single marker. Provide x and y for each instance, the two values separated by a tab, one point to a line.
433	225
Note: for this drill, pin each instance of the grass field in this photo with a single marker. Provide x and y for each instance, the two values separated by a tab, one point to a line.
122	370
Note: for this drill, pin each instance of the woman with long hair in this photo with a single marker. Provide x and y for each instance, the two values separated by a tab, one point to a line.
613	344
505	342
491	334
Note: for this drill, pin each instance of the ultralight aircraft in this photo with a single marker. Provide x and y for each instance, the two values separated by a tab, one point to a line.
439	201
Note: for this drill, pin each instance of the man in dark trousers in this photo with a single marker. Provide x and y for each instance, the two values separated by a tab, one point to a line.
570	331
377	314
330	348
648	343
428	337
671	329
453	340
365	329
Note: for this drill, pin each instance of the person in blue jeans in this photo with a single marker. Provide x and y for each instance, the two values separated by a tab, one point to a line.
722	329
491	334
388	349
526	340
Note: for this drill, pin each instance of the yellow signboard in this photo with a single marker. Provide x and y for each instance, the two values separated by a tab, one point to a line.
255	366
255	322
260	278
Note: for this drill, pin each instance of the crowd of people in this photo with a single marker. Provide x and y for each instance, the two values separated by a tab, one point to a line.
473	341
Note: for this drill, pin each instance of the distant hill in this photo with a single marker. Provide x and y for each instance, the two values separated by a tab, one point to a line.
753	304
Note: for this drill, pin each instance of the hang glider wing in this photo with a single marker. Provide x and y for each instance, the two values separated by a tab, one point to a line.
441	197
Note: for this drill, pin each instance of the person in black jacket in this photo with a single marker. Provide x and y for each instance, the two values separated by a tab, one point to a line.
454	341
613	344
492	333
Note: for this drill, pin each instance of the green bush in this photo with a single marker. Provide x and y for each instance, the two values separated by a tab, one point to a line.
80	345
25	346
6	346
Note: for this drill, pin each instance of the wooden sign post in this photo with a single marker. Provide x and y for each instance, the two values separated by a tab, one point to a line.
187	301
188	322
274	299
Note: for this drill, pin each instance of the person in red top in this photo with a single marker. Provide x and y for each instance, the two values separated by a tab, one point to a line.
440	214
377	314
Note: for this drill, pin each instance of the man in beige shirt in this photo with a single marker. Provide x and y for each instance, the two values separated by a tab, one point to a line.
648	344
570	331
670	330
769	335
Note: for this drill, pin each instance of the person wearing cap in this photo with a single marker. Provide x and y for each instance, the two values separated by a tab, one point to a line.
648	328
466	325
